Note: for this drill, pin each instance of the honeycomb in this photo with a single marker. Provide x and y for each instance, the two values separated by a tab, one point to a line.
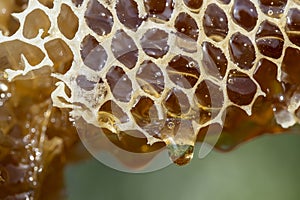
148	74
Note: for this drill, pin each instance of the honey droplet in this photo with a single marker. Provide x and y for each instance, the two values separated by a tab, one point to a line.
180	154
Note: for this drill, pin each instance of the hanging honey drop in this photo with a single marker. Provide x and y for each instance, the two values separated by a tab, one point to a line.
180	154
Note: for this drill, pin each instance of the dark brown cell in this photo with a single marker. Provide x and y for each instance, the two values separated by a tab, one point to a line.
272	8
22	5
269	40
67	22
183	71
60	54
128	14
290	66
119	83
209	95
77	2
11	51
224	1
145	115
244	14
266	76
194	5
210	100
34	21
215	23
214	61
112	108
124	49
160	9
84	83
144	111
242	51
240	88
186	25
92	53
155	43
98	18
47	3
293	26
176	102
10	25
150	78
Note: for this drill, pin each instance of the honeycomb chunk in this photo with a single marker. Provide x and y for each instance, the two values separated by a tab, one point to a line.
137	78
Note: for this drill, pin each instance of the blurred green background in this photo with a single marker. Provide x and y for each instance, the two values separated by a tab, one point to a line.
266	168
